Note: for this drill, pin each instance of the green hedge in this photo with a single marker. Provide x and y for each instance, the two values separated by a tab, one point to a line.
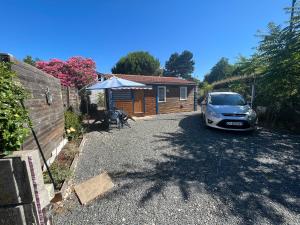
14	119
72	125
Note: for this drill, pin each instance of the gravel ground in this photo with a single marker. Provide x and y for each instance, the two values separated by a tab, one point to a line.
172	170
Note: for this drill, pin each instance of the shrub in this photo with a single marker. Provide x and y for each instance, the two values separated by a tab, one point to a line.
13	117
75	72
72	125
60	172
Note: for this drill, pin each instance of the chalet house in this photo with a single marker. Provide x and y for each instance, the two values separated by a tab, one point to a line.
161	95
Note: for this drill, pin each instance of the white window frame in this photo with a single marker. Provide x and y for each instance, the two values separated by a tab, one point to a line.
185	90
165	91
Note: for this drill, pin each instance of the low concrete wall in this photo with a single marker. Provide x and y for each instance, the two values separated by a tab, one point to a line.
23	194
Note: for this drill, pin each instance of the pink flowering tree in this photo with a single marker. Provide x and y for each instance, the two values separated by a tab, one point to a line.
75	72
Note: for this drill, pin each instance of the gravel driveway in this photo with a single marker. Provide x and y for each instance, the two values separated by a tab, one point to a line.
172	170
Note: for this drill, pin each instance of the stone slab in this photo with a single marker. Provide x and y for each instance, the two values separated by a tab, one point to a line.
37	167
14	183
93	188
38	173
18	215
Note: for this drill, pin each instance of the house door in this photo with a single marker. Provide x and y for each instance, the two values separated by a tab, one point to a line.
138	101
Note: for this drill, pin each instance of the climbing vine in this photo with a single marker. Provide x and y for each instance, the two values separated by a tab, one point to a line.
14	118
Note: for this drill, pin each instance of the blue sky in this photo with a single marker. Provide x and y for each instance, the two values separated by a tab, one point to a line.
106	30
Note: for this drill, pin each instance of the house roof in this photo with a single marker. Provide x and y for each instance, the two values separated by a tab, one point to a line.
153	79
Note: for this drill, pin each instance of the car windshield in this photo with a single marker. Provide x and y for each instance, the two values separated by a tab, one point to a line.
227	99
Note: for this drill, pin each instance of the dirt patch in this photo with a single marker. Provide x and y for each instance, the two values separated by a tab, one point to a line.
60	168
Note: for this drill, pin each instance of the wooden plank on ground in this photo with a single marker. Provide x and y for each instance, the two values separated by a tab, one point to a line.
94	187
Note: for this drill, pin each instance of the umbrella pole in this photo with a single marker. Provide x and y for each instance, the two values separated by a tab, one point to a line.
87	110
110	99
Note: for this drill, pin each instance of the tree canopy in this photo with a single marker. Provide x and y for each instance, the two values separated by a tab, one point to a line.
28	59
275	65
220	71
141	63
75	72
279	54
180	65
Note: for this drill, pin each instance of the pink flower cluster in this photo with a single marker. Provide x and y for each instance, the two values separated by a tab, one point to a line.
75	72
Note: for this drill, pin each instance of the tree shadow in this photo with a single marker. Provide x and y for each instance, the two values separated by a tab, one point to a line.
252	172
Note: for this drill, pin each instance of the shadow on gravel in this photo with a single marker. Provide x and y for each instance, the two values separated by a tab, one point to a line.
254	174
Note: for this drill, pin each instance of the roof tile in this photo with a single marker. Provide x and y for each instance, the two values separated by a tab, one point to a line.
152	79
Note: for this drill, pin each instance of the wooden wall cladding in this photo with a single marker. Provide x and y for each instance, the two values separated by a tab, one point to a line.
47	120
150	102
173	103
124	105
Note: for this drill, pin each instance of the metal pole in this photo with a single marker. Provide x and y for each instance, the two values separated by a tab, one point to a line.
253	91
110	100
87	107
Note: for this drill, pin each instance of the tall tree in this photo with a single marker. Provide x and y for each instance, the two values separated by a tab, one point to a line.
280	52
28	59
141	63
75	72
248	66
220	71
180	65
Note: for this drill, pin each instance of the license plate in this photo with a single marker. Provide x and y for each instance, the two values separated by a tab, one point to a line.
234	123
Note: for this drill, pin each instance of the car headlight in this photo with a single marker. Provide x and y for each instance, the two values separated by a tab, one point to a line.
212	113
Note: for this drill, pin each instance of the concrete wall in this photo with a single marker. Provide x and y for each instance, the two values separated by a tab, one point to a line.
47	119
24	197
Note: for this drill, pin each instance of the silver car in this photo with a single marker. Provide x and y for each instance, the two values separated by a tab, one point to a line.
228	111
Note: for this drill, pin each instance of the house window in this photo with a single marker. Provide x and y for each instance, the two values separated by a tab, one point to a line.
161	94
183	93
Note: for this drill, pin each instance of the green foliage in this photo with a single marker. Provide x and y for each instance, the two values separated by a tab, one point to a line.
242	88
280	50
28	59
220	71
13	118
275	67
72	125
204	88
60	172
141	63
60	168
180	65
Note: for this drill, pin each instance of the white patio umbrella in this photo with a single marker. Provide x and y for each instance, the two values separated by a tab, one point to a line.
115	83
